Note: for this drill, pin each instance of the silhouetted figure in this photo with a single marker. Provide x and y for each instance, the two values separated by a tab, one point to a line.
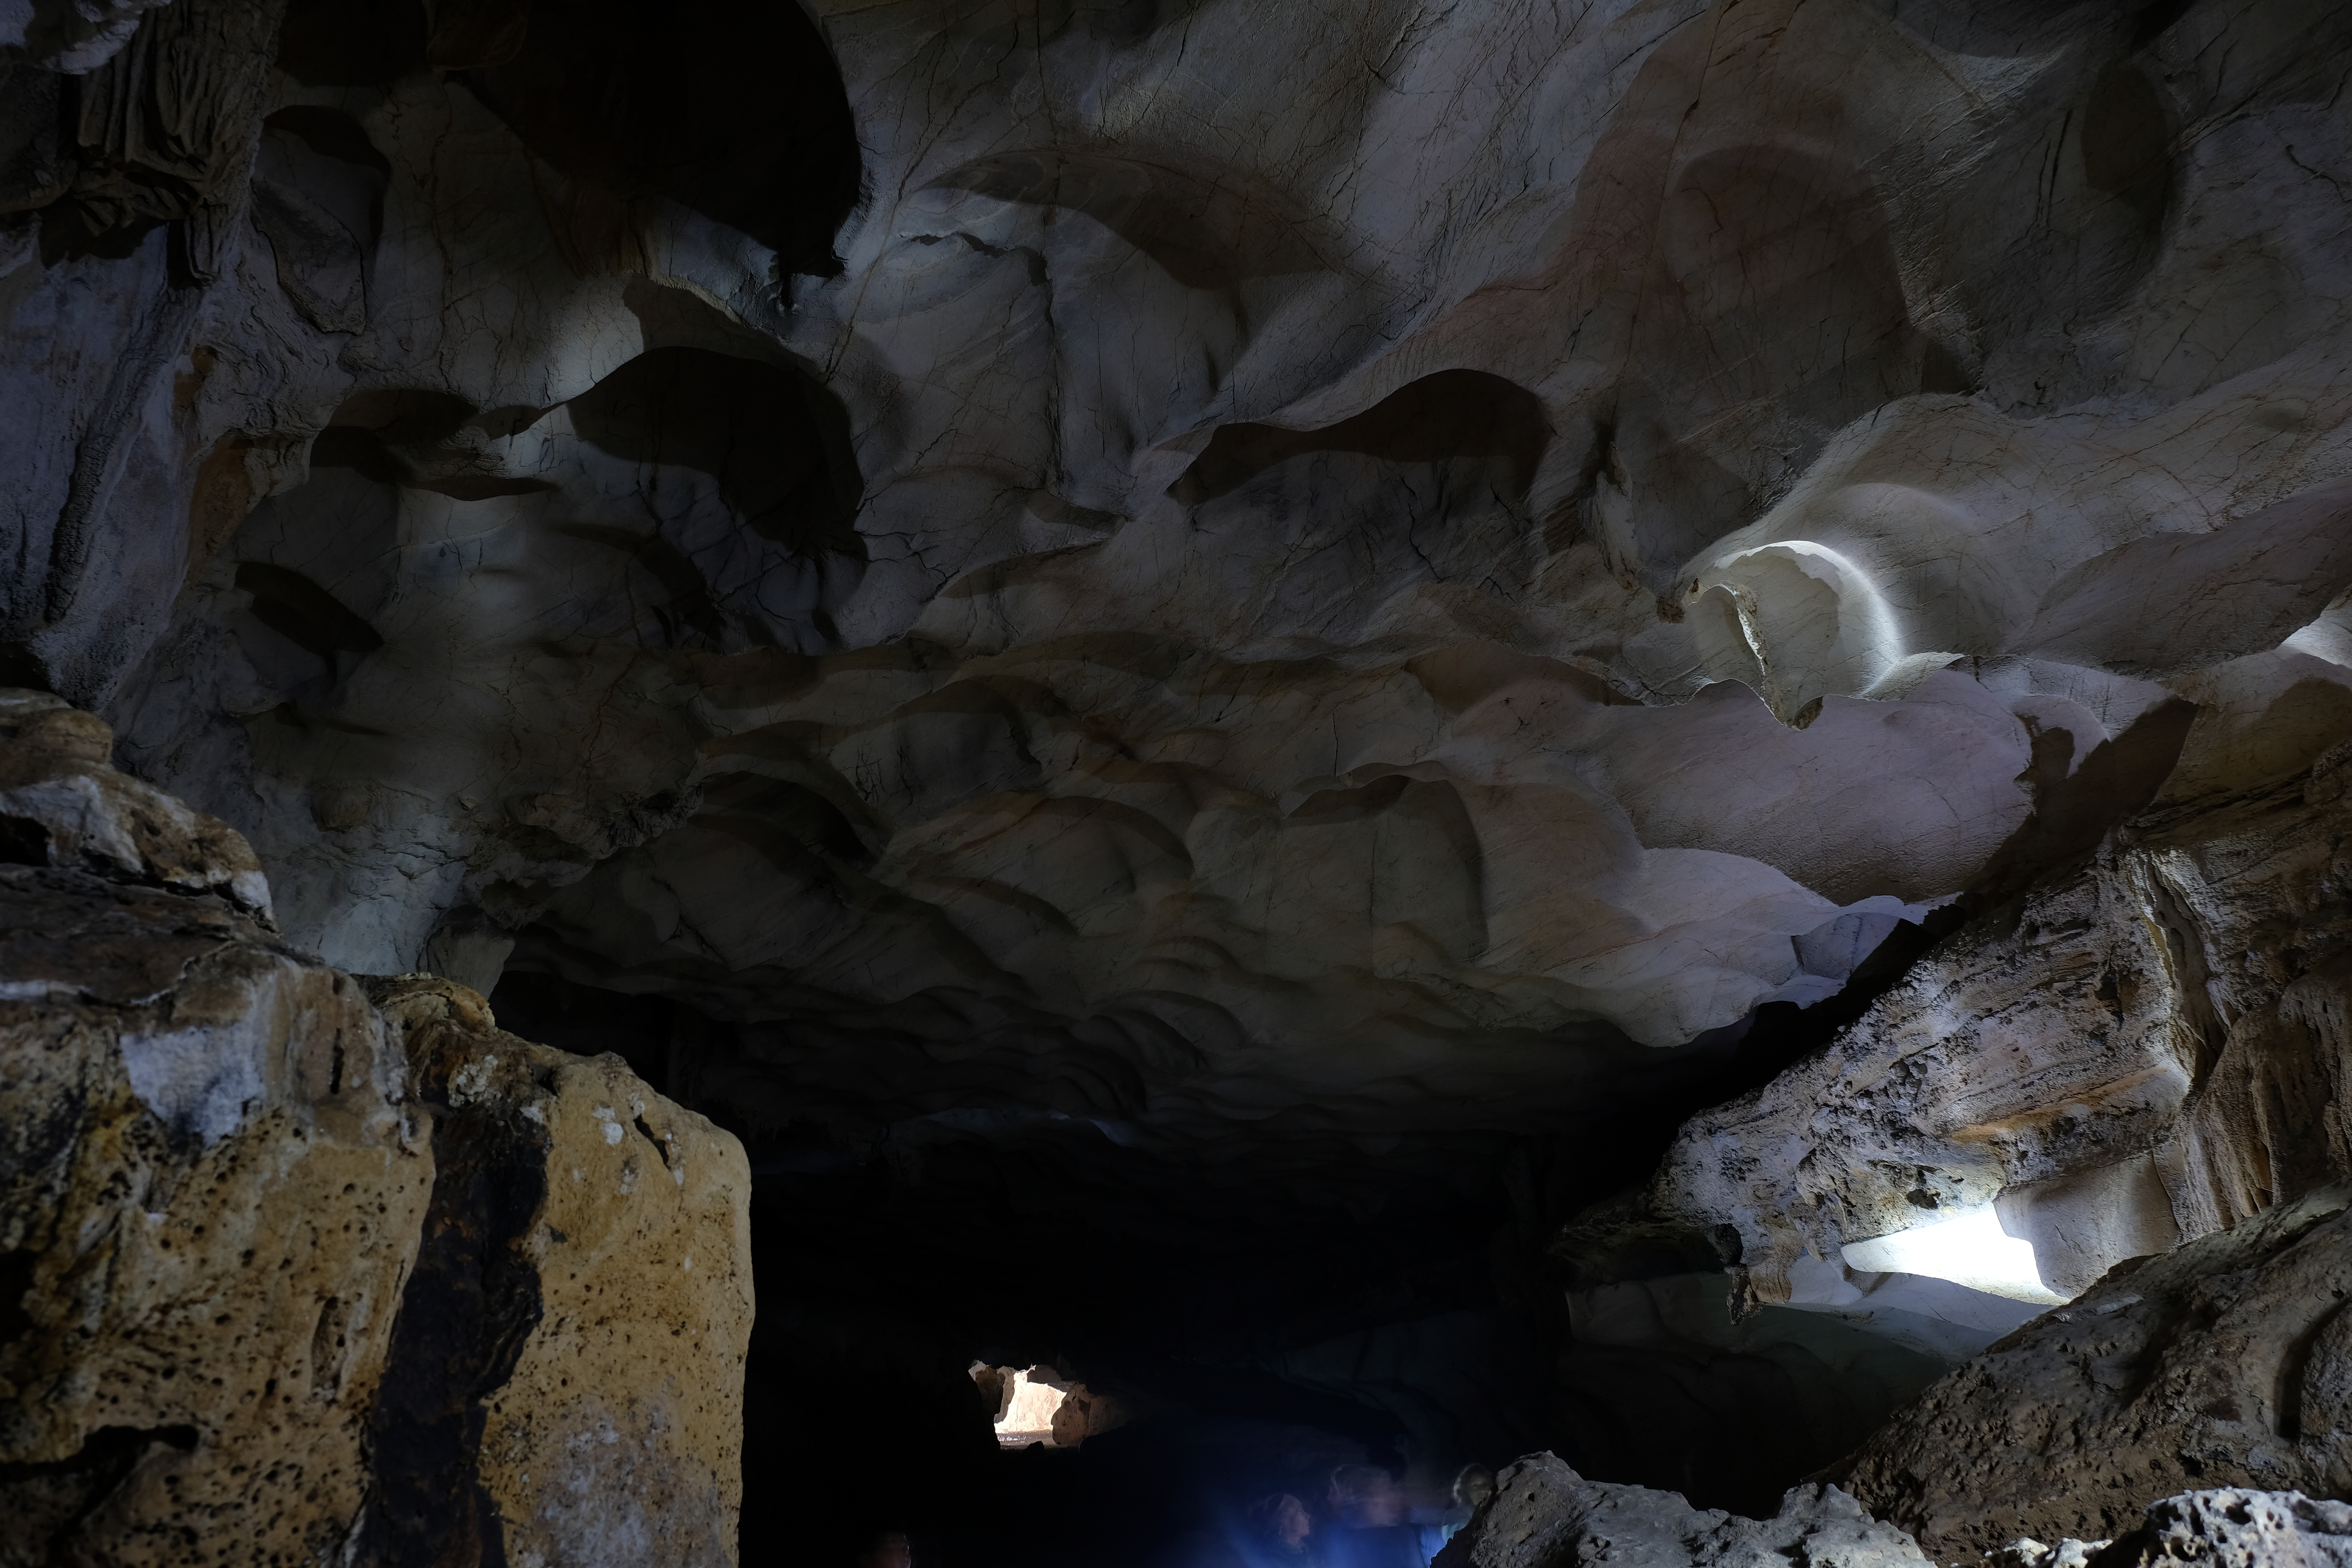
1280	1532
1371	1531
889	1549
1472	1489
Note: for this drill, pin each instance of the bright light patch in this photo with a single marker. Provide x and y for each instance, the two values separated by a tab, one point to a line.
1970	1250
1029	1415
1037	1407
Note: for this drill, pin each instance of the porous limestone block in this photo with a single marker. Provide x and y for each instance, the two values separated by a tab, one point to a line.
611	1412
210	1191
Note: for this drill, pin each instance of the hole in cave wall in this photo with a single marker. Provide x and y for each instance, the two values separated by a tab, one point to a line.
1037	1405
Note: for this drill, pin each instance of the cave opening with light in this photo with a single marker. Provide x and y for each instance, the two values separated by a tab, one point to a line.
1175	783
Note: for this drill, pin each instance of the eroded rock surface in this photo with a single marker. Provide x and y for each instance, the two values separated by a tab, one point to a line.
2148	1051
1545	1515
570	1357
2227	1528
211	1186
1182	605
2225	1361
285	1277
1323	681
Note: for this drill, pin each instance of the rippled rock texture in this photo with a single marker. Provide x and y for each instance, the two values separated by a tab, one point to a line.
1161	586
287	1275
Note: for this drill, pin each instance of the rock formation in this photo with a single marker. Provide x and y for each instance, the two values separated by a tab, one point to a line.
2227	1361
213	1182
1545	1514
2141	1053
286	1275
2221	1527
572	1342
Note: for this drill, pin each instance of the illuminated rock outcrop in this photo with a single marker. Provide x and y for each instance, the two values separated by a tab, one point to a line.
2226	1363
278	1282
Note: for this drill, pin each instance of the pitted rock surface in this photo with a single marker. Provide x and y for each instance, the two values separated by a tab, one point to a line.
1545	1515
211	1185
604	1356
2227	1361
285	1277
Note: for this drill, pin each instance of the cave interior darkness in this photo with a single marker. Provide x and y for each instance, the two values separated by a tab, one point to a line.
886	1267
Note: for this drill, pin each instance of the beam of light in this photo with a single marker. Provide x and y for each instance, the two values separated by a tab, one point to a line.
1864	643
1970	1249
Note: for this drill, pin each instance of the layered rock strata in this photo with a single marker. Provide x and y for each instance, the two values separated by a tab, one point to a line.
285	1275
2149	1051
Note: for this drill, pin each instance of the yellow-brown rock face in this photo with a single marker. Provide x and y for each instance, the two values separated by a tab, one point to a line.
613	1436
210	1192
270	1292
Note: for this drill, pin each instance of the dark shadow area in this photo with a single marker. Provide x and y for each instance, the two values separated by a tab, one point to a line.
1264	1316
738	113
777	443
1453	414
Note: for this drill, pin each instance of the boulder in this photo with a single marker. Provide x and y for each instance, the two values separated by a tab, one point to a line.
571	1348
279	1283
210	1185
2227	1361
1545	1515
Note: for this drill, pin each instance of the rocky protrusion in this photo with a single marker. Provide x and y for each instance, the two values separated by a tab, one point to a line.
63	803
2227	1361
263	1302
571	1346
1545	1514
2221	1529
210	1184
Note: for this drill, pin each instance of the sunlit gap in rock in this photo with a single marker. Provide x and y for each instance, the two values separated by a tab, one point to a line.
1970	1249
1038	1407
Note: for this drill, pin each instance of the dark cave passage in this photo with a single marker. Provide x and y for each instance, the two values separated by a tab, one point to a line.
1255	1338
